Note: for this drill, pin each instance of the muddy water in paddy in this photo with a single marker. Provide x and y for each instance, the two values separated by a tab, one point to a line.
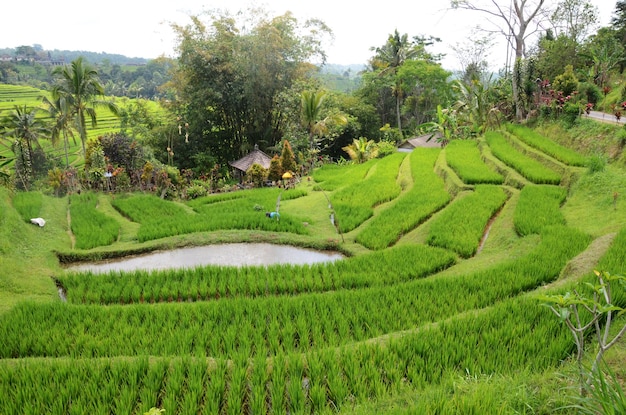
225	254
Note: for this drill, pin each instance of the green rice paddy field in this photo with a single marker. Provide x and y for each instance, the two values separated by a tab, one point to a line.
433	311
15	95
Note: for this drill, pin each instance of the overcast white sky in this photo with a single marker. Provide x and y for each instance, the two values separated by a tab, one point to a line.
140	28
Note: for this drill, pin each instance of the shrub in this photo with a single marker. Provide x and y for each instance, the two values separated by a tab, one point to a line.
566	82
195	190
275	172
385	148
287	158
570	113
256	174
591	92
597	163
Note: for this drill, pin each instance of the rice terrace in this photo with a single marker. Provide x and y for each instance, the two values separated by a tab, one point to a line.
469	231
416	317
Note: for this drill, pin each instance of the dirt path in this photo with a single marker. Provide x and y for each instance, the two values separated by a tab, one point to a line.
585	262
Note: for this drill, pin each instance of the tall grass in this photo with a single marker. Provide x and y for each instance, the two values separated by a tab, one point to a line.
28	204
214	282
411	209
464	157
161	218
528	167
461	226
331	177
538	207
268	325
544	144
506	338
354	204
91	227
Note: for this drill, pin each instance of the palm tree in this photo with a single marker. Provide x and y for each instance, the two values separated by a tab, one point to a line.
312	103
311	108
391	57
23	125
361	150
61	114
78	87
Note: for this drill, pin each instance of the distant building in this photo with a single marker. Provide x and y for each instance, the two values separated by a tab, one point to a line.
427	140
55	62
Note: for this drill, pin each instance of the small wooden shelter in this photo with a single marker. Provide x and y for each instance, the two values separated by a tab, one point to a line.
421	141
256	156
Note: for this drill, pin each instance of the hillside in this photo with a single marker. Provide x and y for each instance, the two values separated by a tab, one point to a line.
434	309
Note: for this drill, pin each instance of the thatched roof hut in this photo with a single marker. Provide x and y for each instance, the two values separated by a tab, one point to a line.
421	141
256	156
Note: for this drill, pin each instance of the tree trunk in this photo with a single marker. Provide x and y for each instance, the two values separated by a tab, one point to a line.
398	114
519	55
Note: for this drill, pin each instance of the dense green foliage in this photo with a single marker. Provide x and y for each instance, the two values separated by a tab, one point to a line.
160	218
121	75
268	329
215	282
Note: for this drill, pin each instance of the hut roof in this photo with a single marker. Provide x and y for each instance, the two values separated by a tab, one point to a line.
421	141
256	156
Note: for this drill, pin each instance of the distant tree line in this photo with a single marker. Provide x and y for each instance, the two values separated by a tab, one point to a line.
120	75
250	79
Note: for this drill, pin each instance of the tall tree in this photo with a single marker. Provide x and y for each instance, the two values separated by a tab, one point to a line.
230	74
473	55
79	86
312	111
312	102
62	122
604	53
518	20
22	124
389	59
575	19
404	82
24	127
618	21
552	54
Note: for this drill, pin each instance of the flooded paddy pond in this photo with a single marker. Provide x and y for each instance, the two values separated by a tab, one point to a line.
236	254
